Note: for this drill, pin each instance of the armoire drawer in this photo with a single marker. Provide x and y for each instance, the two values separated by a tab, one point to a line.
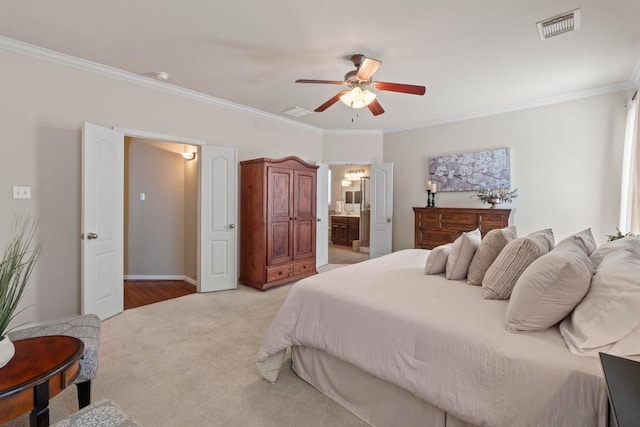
304	266
279	272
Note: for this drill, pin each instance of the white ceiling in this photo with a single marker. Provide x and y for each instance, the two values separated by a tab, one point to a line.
471	55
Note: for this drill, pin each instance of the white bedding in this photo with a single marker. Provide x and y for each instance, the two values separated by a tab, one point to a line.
440	340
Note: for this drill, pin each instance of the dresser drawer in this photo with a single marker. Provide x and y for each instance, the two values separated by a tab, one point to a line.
430	239
279	272
491	222
304	266
456	219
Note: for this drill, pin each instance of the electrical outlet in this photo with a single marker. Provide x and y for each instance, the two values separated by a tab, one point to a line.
21	192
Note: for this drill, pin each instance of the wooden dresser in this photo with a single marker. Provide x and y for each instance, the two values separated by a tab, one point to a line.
438	226
277	221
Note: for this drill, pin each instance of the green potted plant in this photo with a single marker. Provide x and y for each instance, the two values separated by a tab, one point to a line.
17	264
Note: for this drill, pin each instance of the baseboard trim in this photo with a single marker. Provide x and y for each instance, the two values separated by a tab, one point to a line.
156	277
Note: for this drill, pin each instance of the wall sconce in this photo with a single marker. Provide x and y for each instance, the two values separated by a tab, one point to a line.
189	155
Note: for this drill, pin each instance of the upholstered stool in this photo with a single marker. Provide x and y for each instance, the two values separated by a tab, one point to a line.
101	414
86	328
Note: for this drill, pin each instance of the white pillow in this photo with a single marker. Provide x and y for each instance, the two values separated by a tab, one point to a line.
632	243
437	259
490	247
501	277
608	317
549	289
584	239
462	251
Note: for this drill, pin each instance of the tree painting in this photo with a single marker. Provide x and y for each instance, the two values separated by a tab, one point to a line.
471	171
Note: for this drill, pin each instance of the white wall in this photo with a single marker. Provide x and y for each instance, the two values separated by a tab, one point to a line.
43	106
155	227
565	162
353	148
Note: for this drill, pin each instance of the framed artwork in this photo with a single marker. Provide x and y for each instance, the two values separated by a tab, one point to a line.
472	171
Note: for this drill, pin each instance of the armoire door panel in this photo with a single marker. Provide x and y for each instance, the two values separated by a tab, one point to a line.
304	194
279	245
304	242
280	191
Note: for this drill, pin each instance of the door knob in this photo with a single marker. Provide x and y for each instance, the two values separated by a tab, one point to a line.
92	236
388	219
318	219
231	226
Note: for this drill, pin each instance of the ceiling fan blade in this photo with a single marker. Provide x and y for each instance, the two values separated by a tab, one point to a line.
330	102
375	108
327	82
399	87
367	68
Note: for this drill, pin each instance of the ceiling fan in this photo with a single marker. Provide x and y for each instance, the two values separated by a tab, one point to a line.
359	82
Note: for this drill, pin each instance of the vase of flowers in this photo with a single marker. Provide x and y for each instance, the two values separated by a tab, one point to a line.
17	264
495	197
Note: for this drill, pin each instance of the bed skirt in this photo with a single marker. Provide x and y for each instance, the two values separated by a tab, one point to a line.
371	399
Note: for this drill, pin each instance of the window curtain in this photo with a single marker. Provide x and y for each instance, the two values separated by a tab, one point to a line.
630	200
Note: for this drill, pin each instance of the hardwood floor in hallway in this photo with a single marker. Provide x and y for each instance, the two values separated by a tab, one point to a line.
143	292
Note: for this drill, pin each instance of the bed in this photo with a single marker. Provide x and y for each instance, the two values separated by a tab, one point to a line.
397	347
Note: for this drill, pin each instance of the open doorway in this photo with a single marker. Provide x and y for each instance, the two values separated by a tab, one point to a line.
349	213
160	221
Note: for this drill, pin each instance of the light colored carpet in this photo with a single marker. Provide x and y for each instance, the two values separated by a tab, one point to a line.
190	362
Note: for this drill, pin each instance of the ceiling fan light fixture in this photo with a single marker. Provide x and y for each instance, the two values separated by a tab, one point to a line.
358	98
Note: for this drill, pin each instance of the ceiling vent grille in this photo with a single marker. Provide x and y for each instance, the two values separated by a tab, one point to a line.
297	112
560	24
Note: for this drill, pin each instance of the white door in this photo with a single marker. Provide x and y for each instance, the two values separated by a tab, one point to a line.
102	221
322	213
381	209
218	218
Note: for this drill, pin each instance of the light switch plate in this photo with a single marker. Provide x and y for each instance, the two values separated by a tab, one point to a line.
21	192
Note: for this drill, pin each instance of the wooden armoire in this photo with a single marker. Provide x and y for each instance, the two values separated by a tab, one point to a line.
277	221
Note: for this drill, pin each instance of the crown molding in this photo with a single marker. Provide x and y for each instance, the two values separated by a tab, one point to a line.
635	74
601	90
94	67
352	132
105	70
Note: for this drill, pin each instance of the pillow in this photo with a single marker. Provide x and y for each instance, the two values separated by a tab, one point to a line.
549	288
608	317
502	275
490	246
584	239
632	243
546	234
437	259
461	254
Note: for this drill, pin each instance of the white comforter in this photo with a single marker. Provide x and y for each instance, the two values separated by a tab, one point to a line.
440	340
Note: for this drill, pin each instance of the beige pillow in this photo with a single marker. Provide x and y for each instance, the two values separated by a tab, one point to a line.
549	289
608	318
632	243
501	277
583	239
461	254
437	259
490	247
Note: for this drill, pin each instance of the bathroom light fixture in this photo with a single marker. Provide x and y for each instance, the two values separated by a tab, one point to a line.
358	98
354	174
189	155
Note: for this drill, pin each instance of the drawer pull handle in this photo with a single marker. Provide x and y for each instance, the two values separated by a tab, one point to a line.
280	273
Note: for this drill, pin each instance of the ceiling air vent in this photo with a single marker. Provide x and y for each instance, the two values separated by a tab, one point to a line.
559	24
297	112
